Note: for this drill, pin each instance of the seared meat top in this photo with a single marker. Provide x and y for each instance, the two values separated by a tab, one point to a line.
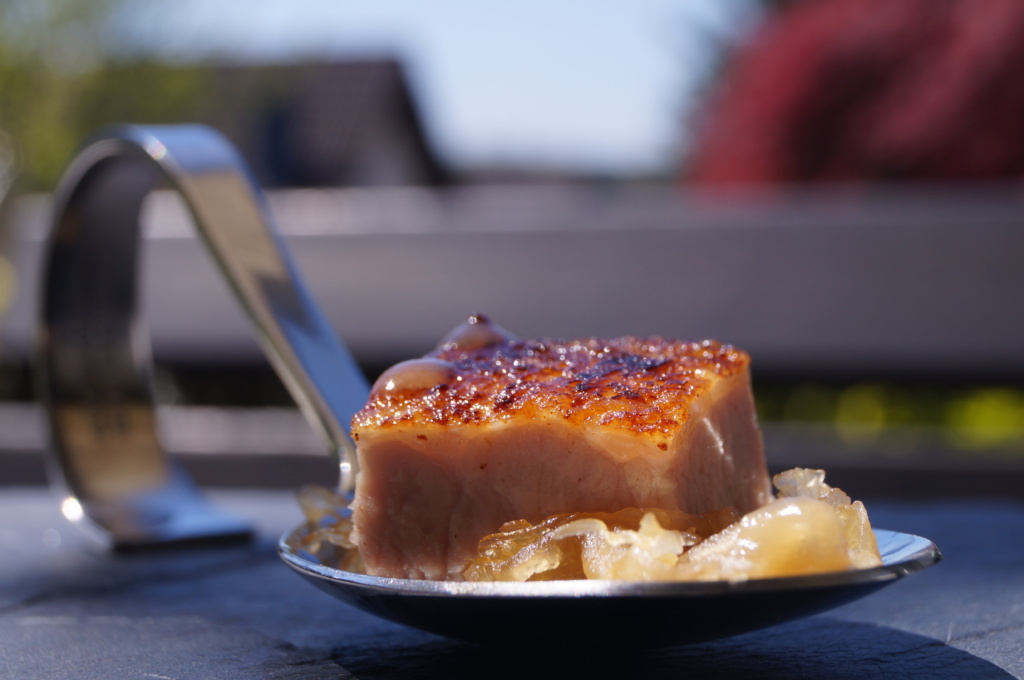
644	385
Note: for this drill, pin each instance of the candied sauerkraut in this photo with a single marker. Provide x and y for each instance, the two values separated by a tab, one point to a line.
562	546
330	524
810	528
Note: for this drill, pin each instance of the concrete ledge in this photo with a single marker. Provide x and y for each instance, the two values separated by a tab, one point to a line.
914	282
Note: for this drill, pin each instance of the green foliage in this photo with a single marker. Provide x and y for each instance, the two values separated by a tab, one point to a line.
142	92
988	417
60	80
971	418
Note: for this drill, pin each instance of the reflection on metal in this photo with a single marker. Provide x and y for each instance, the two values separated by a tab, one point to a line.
72	509
93	352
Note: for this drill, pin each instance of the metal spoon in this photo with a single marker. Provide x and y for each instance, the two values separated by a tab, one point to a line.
94	382
603	614
93	351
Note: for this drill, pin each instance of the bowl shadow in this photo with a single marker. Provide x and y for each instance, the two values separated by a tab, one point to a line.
811	648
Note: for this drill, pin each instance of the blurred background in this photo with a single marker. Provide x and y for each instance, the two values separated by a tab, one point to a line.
832	185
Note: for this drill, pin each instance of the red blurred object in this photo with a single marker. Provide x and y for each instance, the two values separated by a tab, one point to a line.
852	90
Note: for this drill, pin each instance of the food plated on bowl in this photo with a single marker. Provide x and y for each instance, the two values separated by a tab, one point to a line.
546	491
496	458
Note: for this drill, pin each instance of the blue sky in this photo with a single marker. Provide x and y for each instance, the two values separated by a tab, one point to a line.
597	85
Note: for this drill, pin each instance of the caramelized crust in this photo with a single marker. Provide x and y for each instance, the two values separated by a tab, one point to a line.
643	385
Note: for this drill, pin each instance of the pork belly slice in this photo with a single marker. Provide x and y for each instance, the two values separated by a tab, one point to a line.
489	430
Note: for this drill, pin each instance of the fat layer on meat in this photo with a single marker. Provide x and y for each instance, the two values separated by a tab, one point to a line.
453	445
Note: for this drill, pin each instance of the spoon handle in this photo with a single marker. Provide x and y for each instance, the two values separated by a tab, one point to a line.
93	352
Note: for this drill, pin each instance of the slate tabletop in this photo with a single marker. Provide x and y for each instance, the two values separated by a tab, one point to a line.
70	609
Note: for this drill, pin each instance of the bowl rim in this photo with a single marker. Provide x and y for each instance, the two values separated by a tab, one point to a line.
902	554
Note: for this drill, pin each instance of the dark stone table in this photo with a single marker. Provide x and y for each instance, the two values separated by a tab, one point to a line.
71	610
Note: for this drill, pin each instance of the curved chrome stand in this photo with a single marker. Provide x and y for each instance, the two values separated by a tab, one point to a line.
93	352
